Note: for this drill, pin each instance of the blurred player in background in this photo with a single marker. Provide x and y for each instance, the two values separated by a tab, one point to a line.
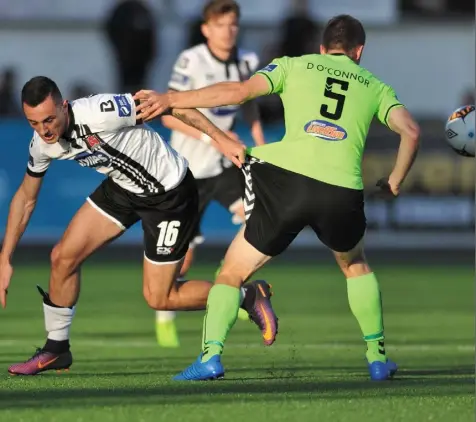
217	60
313	177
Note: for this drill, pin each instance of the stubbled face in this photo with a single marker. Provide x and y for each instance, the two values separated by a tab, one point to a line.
48	119
222	31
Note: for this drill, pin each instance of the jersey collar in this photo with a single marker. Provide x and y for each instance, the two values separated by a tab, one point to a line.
71	127
232	59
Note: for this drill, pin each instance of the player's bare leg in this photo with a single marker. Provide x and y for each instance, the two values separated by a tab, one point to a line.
242	260
366	305
163	292
187	261
165	328
88	231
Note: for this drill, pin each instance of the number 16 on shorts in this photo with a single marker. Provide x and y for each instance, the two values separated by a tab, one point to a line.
168	235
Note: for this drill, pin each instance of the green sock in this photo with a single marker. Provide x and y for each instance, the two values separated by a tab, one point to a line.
222	310
365	303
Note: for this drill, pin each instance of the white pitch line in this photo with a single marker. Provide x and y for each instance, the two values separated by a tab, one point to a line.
277	346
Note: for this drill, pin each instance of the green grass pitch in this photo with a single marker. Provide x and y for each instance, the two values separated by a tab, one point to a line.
314	372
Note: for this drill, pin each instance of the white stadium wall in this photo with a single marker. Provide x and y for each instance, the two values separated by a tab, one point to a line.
429	65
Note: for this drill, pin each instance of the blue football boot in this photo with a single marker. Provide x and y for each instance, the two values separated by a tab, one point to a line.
202	371
382	371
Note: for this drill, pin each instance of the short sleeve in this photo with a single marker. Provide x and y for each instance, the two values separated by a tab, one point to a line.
387	101
108	112
182	73
276	73
38	162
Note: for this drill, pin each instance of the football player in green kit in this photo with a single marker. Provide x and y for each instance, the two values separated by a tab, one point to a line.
311	178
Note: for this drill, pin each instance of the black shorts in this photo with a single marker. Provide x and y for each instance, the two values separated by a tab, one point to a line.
279	204
226	189
169	219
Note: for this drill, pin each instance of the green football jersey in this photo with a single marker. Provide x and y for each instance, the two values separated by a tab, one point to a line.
329	102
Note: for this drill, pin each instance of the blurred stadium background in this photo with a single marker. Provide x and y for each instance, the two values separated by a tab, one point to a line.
424	48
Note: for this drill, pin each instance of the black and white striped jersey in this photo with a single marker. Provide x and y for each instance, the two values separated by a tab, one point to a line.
103	135
196	68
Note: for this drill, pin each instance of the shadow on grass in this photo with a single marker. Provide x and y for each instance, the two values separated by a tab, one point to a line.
461	370
254	390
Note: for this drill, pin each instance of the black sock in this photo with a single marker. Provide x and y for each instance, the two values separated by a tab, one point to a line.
55	346
47	300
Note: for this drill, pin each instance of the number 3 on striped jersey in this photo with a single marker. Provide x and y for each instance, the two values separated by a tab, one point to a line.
168	233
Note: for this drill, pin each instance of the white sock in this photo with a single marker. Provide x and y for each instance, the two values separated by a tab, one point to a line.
58	321
164	316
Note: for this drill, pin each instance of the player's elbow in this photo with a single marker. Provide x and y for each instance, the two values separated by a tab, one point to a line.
30	204
412	133
26	197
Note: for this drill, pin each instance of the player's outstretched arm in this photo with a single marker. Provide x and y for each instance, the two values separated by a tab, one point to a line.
152	104
21	209
172	123
230	148
401	122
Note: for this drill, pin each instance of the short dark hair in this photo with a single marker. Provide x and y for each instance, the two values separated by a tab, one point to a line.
343	31
216	8
38	89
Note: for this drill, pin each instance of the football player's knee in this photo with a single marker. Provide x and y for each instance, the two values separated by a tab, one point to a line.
55	255
157	301
61	262
356	270
353	263
233	274
156	297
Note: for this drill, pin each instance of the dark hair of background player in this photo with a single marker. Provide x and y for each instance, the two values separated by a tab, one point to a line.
343	32
216	8
38	89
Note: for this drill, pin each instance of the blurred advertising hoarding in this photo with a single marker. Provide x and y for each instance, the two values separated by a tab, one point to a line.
435	173
438	195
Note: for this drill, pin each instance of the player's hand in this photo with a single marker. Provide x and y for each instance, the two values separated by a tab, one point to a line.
152	104
388	186
6	272
231	135
231	149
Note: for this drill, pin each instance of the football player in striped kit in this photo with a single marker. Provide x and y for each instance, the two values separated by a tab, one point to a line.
146	180
217	60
